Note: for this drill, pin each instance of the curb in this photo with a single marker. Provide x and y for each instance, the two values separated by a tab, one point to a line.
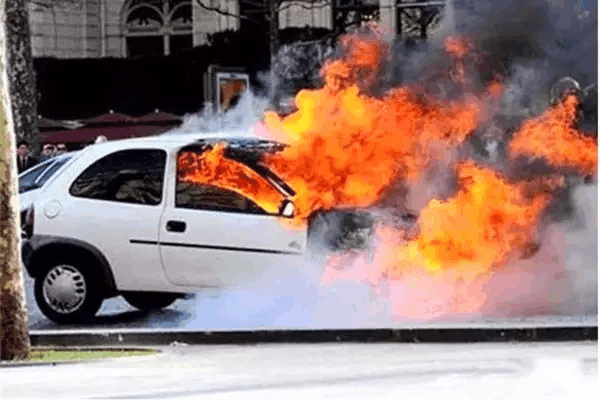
120	338
16	364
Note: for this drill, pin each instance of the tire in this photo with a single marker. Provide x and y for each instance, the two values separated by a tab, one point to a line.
340	230
67	291
148	301
319	242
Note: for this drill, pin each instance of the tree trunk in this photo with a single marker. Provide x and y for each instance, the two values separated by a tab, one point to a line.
21	74
423	25
14	334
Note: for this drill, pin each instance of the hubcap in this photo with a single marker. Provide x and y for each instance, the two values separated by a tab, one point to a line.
64	289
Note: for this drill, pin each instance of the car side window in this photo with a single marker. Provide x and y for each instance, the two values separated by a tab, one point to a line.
206	197
126	176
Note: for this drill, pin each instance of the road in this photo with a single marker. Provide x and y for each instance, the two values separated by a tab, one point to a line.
288	302
317	371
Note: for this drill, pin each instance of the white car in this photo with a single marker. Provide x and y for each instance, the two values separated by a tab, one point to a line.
118	221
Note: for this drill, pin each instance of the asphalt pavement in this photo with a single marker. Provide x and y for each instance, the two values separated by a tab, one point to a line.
317	371
289	303
540	370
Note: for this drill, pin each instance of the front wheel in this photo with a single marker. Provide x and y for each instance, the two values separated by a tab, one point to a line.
67	292
148	301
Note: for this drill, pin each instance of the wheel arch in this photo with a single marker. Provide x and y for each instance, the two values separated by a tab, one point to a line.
329	227
39	249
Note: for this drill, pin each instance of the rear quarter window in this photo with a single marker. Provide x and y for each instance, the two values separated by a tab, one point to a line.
126	176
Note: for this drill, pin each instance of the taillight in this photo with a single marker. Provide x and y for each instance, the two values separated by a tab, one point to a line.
27	223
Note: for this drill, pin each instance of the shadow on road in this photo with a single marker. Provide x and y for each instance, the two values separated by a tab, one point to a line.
128	319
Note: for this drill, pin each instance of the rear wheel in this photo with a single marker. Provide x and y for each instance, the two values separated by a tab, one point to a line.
68	291
148	301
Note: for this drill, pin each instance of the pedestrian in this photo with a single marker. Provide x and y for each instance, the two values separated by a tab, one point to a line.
48	151
61	148
101	139
24	159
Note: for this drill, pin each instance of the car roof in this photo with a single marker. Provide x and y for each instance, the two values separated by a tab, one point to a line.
177	140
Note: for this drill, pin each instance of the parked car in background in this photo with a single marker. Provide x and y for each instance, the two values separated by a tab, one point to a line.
120	221
34	179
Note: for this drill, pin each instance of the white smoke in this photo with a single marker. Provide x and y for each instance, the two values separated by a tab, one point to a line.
523	93
288	296
298	65
581	254
249	110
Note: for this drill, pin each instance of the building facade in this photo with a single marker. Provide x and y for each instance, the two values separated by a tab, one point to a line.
129	28
123	28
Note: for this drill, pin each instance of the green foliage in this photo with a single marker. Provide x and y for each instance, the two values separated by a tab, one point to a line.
83	355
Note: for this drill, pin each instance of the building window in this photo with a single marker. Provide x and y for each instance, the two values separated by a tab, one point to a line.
349	14
256	12
414	23
157	27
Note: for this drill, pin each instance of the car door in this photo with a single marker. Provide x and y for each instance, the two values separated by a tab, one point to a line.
212	237
115	205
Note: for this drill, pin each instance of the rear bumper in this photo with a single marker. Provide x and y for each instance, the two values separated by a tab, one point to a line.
30	246
26	253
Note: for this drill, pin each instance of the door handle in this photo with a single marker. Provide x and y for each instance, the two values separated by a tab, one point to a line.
176	226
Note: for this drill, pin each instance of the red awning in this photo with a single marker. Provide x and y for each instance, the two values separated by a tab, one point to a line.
47	124
159	117
113	126
148	130
90	133
87	134
110	119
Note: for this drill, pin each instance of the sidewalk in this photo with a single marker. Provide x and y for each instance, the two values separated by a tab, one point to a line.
314	371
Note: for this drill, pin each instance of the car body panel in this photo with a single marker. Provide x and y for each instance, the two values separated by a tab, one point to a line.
110	228
220	248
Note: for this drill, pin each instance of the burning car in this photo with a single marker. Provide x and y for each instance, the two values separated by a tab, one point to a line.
153	219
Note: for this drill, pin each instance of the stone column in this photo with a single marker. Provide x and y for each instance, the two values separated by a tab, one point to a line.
388	16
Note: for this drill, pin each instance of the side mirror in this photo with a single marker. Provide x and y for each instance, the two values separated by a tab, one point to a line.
287	209
564	84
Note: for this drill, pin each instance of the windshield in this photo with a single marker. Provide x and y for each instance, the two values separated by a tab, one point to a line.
39	175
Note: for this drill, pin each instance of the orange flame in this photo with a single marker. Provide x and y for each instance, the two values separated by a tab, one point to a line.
213	168
353	147
457	47
462	242
347	147
554	137
462	50
488	221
